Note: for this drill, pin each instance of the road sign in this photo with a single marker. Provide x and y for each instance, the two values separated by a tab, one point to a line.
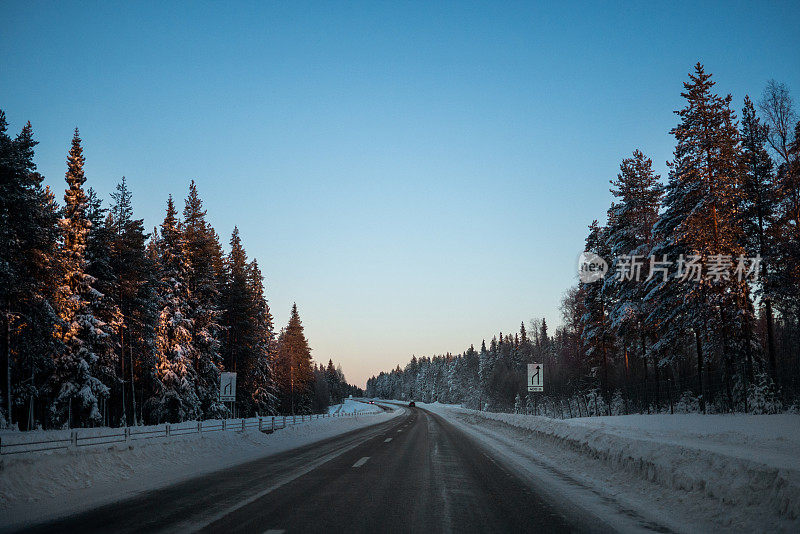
227	387
535	377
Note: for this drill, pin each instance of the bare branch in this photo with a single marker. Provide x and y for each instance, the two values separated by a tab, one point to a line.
778	109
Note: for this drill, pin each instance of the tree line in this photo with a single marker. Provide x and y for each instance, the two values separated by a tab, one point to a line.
712	323
103	323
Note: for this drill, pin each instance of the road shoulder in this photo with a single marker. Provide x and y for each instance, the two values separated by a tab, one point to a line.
604	491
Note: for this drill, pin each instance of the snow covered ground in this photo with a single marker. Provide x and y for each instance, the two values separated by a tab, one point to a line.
689	473
46	485
353	406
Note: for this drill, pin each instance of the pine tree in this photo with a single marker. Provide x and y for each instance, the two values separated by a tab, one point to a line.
700	219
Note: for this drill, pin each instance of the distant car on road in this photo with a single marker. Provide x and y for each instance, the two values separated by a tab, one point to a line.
372	402
411	404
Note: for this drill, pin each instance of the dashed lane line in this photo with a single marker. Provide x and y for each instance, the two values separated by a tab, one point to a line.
361	462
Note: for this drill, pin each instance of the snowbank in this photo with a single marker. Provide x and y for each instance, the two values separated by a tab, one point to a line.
742	460
354	406
46	485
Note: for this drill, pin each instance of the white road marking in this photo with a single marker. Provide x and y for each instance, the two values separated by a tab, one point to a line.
198	523
275	531
361	462
399	431
387	440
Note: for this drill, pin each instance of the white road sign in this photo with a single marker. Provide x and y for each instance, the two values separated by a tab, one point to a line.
227	387
535	377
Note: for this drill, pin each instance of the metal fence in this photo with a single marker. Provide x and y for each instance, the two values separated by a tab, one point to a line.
90	437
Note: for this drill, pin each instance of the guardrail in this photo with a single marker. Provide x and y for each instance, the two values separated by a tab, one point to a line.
97	436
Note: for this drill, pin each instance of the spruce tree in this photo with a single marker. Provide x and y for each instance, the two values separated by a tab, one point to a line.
598	337
321	396
204	258
29	272
135	273
237	305
175	394
629	238
87	339
249	346
333	383
785	284
99	243
757	211
259	384
294	367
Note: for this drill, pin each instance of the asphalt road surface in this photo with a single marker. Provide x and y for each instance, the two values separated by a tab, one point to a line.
414	473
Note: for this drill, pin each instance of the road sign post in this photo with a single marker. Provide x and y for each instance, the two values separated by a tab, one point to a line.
536	377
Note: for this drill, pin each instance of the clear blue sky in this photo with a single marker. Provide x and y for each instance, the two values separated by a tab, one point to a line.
415	176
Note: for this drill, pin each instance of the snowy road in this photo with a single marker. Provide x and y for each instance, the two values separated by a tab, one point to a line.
413	473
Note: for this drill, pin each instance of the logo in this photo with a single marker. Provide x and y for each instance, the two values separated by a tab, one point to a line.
591	267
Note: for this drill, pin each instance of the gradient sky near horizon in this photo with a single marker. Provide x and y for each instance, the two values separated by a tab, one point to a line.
416	176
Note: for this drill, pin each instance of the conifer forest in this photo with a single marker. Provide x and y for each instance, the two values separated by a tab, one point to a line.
105	323
715	330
